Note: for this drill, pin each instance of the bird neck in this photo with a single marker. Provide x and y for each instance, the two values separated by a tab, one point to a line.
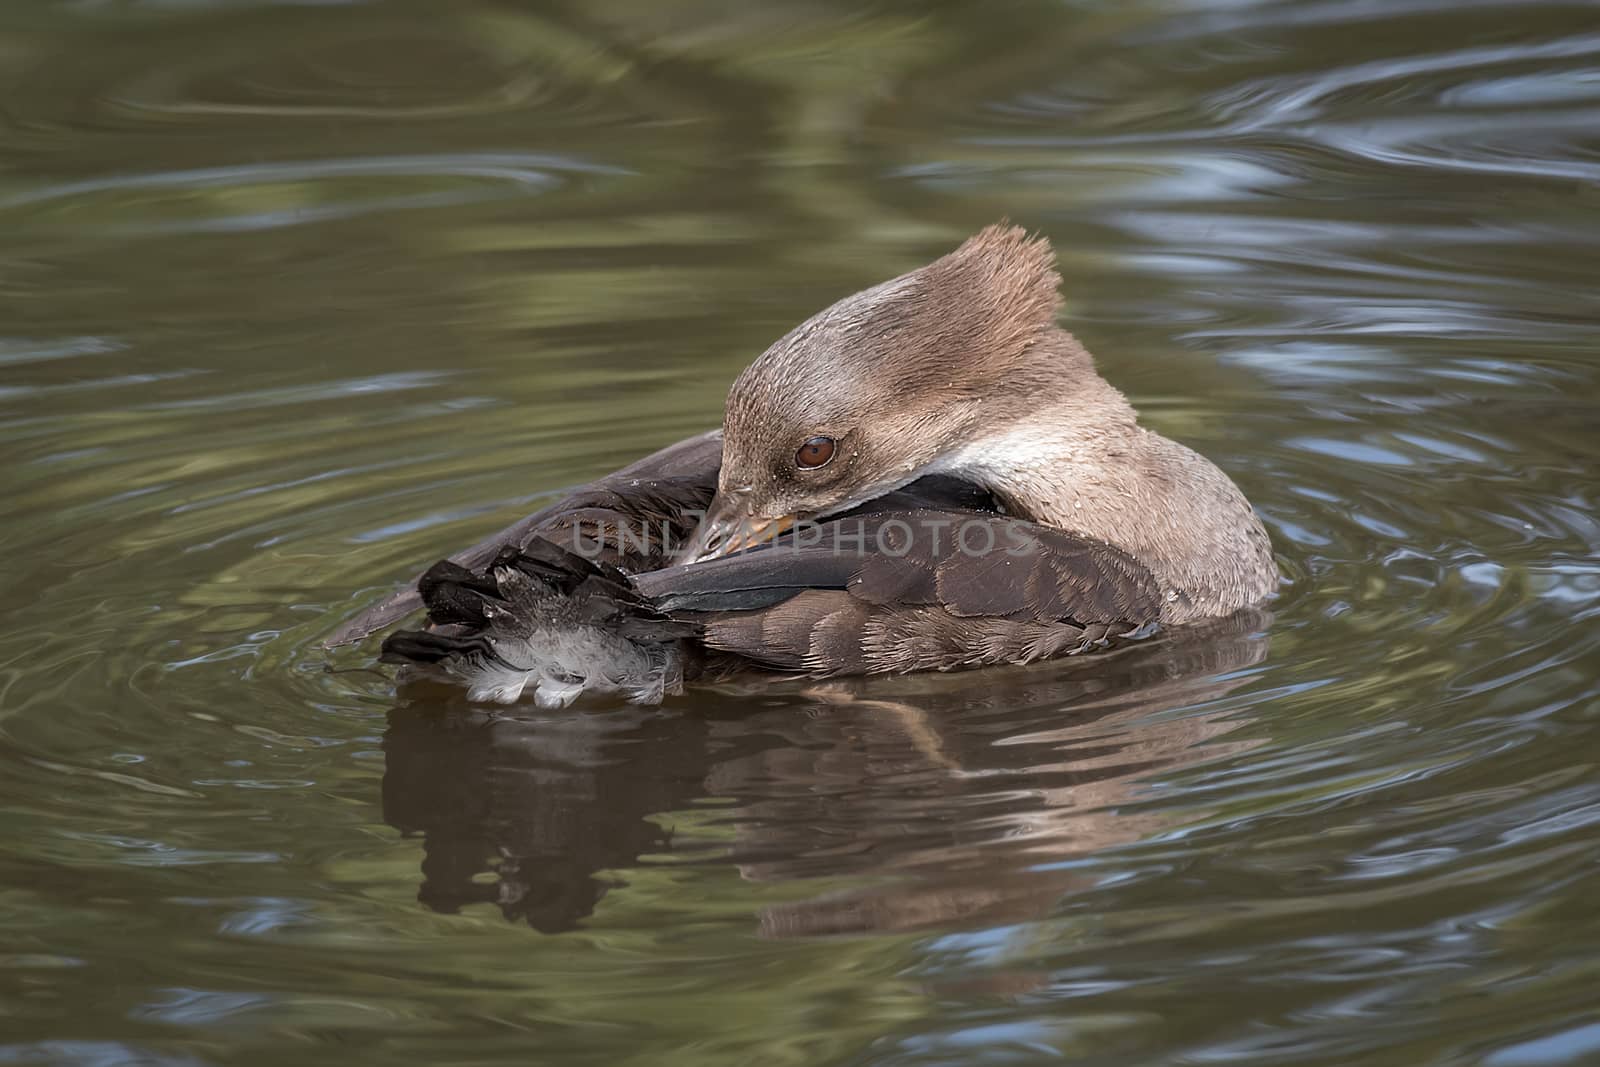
1065	464
1082	463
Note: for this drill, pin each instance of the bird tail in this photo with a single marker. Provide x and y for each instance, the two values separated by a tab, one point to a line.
543	620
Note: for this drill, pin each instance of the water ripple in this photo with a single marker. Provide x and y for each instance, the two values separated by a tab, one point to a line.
503	174
300	298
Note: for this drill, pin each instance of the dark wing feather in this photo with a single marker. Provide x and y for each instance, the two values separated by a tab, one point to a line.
996	566
664	484
755	579
665	490
911	590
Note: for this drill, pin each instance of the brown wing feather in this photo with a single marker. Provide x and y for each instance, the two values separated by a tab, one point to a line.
989	565
790	635
918	602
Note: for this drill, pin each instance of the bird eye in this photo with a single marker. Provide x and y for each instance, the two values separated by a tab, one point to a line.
814	453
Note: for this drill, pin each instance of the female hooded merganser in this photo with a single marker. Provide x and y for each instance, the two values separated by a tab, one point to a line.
927	475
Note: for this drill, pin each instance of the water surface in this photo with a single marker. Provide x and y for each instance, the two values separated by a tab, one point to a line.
295	298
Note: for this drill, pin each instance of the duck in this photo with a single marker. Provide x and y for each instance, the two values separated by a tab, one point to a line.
930	474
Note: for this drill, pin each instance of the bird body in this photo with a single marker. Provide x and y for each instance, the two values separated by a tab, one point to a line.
929	474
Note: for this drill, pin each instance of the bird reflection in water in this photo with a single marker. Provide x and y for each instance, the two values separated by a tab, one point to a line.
963	794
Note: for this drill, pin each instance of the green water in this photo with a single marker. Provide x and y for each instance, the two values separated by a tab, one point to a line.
296	298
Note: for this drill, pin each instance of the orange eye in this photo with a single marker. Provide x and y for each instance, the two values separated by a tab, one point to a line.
814	453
